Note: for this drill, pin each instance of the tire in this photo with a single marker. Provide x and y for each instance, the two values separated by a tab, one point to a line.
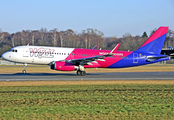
82	73
24	71
78	72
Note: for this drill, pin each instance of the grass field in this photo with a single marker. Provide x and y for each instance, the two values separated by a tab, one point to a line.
133	99
114	101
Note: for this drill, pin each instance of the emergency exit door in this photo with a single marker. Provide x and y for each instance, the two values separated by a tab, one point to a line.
135	57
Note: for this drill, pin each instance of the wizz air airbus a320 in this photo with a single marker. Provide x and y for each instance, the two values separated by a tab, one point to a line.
71	59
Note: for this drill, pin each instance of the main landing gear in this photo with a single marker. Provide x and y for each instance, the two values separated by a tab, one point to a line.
25	67
81	70
81	73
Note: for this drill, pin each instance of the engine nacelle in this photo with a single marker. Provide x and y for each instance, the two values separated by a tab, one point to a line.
63	66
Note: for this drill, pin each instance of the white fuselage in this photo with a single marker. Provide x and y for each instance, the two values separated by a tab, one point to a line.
37	54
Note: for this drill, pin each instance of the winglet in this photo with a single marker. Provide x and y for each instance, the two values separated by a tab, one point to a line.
94	47
115	49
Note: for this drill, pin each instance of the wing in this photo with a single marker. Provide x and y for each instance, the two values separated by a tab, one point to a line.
88	60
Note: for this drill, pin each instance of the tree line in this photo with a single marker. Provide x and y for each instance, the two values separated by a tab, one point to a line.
86	39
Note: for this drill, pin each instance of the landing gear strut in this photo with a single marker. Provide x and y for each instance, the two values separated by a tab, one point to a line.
81	73
25	67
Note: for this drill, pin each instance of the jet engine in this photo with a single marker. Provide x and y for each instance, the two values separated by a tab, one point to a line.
63	66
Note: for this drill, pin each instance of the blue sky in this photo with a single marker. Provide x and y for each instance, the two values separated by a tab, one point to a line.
112	17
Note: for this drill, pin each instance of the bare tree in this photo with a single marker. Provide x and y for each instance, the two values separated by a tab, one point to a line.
43	32
13	40
85	35
1	37
32	38
62	38
54	36
71	38
22	37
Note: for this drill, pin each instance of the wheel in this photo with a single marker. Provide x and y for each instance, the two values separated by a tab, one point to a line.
82	73
24	71
78	72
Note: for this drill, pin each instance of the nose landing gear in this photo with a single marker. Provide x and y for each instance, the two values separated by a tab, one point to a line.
24	71
25	67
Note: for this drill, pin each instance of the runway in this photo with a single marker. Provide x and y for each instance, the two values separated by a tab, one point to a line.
89	76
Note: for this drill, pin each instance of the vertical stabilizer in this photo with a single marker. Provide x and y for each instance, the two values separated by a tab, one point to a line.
155	43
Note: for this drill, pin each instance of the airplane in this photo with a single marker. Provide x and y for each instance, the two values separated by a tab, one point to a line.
77	59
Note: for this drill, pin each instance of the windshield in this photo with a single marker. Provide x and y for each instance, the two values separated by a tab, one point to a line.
13	50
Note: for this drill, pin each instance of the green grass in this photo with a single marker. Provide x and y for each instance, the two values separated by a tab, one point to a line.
126	101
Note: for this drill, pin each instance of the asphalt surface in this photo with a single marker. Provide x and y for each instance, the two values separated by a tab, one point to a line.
89	76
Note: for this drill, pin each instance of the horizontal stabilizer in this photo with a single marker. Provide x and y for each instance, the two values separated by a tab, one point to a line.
153	58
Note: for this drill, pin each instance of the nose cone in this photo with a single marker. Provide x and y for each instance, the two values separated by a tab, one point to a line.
4	56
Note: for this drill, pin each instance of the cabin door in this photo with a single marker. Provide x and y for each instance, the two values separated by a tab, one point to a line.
25	52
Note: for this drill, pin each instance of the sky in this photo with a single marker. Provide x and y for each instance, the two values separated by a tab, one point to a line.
112	17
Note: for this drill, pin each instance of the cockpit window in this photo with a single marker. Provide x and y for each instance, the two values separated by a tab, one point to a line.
14	50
